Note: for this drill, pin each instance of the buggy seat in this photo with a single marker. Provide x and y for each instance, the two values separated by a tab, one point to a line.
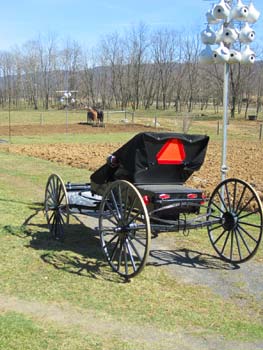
153	158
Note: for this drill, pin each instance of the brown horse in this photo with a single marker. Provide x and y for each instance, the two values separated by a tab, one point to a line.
92	115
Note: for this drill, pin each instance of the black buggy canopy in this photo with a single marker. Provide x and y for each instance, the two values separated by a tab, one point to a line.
154	158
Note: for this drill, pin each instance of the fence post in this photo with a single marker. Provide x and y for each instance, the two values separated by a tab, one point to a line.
133	117
260	131
218	127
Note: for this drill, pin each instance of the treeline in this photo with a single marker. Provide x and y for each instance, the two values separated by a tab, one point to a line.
138	69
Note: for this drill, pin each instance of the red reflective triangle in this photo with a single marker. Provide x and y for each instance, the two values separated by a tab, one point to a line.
172	152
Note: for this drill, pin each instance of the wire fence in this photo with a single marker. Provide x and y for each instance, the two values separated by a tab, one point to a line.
154	119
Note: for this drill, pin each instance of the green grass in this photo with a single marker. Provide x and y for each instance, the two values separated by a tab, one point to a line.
75	273
20	332
201	123
72	138
33	117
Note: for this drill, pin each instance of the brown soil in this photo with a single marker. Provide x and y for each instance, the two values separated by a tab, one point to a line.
81	128
244	162
244	159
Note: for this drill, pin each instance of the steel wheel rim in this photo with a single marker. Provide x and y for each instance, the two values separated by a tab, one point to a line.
124	229
237	236
56	206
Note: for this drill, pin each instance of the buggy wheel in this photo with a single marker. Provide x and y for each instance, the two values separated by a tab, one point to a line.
56	206
237	211
124	226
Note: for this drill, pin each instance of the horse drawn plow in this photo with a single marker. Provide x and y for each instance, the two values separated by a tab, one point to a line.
141	192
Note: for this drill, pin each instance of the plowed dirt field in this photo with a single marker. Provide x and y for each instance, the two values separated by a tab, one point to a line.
245	160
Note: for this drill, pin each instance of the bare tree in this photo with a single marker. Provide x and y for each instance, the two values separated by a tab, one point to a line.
48	57
138	44
31	69
135	69
112	56
191	50
164	45
7	73
70	63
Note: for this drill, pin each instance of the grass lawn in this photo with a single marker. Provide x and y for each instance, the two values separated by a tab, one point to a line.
75	276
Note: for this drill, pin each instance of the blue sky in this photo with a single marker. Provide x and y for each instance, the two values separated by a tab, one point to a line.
88	20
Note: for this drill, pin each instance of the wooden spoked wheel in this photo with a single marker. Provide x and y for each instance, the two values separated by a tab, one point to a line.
237	208
124	227
56	206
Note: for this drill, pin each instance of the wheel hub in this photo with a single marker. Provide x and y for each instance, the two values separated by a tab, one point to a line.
123	231
230	220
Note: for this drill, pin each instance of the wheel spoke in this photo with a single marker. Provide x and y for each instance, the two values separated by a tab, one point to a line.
249	214
50	195
219	237
49	203
215	216
53	188
130	255
249	224
246	205
134	248
228	197
139	241
115	205
120	256
238	245
60	225
131	207
109	218
61	195
240	199
110	241
222	201
112	211
120	201
107	230
225	243
126	241
61	216
51	217
134	218
235	195
58	194
231	245
244	241
241	222
54	225
217	207
215	228
125	258
112	256
248	234
126	203
56	206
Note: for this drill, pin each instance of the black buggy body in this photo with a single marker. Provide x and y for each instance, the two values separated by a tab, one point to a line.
158	164
140	191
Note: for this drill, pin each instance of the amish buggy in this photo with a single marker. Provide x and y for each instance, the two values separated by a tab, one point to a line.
140	192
